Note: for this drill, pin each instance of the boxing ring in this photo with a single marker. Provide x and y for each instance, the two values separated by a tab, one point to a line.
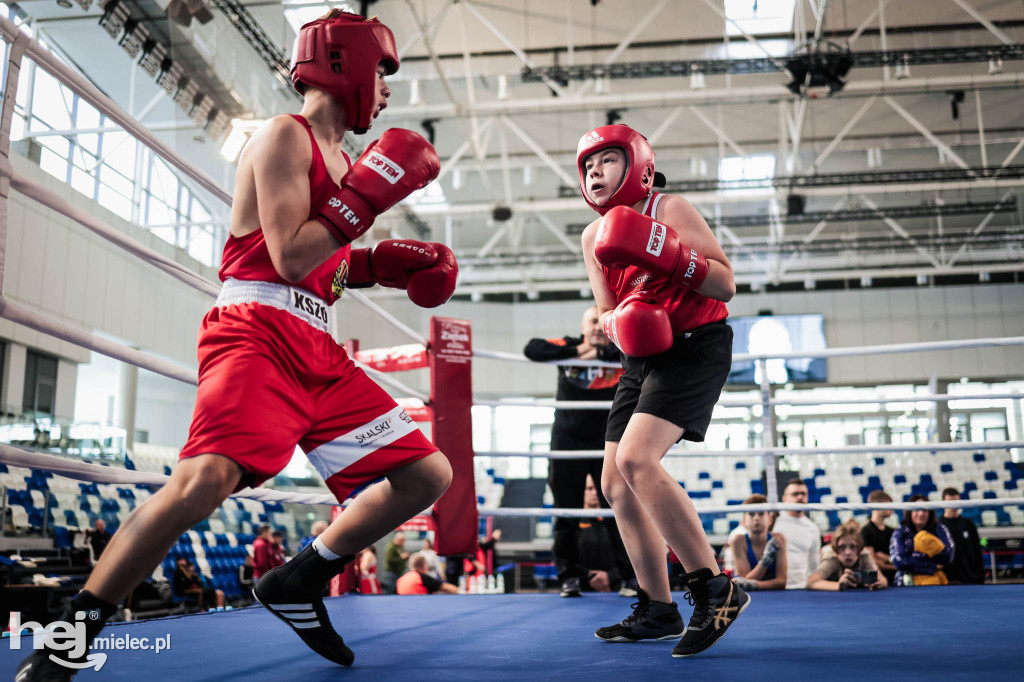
964	631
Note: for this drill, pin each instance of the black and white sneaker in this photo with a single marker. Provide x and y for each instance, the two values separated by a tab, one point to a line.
717	603
293	593
571	588
39	668
651	620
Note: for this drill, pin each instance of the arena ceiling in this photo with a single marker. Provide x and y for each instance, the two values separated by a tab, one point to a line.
910	169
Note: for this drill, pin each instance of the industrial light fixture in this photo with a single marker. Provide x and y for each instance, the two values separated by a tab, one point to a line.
865	281
502	87
903	68
414	94
815	68
995	66
922	280
696	78
66	4
184	11
456	179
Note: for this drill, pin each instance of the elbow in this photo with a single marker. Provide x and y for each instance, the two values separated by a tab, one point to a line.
291	269
729	292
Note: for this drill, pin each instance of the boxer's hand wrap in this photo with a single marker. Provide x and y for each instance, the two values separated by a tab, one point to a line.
626	237
639	326
390	169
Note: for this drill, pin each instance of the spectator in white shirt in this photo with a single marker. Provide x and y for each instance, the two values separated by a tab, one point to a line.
803	538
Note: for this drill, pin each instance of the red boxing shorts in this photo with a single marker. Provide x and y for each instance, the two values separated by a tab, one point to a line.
271	377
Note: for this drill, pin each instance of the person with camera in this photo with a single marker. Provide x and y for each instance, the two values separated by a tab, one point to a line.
850	568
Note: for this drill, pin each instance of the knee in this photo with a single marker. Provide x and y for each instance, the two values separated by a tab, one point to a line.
631	465
613	487
207	481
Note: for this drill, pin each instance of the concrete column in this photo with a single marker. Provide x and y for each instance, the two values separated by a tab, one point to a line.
13	390
129	375
64	401
938	414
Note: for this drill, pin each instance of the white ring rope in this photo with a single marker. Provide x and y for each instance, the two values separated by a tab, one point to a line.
781	452
954	344
83	471
743	508
606	404
383	378
389	318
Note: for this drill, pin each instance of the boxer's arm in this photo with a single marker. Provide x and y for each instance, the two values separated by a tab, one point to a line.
604	297
689	224
281	155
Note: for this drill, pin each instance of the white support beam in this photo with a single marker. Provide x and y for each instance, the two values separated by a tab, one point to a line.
830	147
666	123
498	234
573	246
714	6
671	97
927	133
717	130
428	45
980	18
434	25
450	162
811	236
1013	154
506	173
539	151
981	226
474	121
864	24
510	45
638	28
981	130
898	229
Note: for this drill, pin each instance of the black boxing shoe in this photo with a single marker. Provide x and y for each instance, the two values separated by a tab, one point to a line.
650	620
39	668
293	593
717	603
92	614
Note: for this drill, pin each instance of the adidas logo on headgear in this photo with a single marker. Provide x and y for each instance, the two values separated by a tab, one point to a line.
593	137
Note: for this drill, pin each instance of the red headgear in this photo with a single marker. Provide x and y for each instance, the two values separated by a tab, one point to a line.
340	56
638	179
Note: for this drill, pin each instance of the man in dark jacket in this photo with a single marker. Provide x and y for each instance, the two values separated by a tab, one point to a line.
579	430
968	566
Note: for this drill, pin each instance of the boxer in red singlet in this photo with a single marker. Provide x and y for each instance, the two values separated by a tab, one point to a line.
270	375
661	281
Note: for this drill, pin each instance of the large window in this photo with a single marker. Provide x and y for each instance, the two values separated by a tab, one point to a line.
40	395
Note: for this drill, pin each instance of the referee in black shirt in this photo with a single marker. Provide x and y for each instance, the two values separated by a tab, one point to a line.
580	430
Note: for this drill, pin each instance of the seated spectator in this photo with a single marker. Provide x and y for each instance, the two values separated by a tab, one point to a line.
596	547
877	535
188	583
396	561
851	566
98	539
314	531
277	549
436	569
262	556
368	582
758	555
968	564
419	581
921	548
246	581
803	539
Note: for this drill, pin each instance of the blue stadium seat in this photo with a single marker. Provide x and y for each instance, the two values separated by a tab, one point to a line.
879	461
703	475
946	468
717	484
969	486
741	465
979	456
857	471
899	478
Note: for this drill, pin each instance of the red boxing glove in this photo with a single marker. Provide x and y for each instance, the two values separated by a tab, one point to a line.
639	326
427	271
390	169
626	237
432	286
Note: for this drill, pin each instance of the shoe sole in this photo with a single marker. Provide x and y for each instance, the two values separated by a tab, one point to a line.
569	596
740	613
627	640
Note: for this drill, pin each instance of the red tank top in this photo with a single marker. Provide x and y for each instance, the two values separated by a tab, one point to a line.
686	308
247	258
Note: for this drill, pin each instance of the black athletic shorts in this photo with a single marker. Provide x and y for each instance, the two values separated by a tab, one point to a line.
680	385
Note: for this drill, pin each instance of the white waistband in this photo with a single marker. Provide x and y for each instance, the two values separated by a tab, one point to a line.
298	302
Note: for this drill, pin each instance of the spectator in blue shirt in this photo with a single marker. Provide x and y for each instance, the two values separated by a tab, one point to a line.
921	548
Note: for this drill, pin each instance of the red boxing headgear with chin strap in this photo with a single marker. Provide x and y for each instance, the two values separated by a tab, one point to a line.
340	56
638	179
